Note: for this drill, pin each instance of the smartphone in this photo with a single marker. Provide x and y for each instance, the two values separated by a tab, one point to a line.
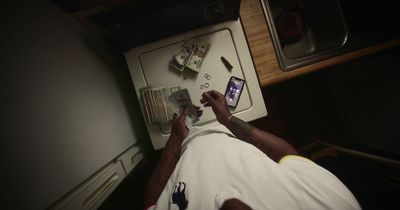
233	91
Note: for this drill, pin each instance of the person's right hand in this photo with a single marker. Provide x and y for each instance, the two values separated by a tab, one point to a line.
179	130
218	103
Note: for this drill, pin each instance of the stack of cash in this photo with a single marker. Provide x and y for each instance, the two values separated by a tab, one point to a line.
160	104
155	101
182	99
191	55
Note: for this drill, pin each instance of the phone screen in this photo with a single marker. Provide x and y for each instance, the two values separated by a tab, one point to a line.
233	91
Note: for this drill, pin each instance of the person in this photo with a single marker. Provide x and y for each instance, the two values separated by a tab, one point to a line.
238	166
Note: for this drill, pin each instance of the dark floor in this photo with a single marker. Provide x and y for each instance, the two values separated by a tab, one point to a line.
355	104
300	108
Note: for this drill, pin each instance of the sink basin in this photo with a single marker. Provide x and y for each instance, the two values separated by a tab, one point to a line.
304	31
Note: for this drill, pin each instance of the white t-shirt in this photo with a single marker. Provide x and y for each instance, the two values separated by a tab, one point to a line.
215	166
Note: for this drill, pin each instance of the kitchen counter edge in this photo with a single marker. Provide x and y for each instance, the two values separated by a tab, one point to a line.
263	53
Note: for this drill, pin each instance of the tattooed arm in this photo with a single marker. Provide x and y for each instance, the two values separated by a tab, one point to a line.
273	146
169	158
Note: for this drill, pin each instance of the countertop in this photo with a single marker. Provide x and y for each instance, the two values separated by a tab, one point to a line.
263	54
259	41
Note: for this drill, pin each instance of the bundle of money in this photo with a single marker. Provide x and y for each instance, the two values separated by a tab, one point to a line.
181	99
156	105
198	55
191	55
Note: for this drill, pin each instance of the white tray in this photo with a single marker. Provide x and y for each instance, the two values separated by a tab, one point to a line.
149	66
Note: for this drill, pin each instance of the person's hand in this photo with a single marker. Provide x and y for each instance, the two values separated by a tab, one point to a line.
198	110
179	130
218	103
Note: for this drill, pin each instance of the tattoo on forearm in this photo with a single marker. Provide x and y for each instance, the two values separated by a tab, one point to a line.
240	128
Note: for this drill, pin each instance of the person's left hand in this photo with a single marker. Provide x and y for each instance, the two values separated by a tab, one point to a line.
179	129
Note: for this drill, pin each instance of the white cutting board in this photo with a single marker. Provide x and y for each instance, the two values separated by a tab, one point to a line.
149	66
156	70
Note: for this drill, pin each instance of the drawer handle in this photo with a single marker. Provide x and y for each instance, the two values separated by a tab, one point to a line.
99	192
137	157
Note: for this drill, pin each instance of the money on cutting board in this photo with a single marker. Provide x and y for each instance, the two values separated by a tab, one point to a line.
198	55
190	55
156	105
181	99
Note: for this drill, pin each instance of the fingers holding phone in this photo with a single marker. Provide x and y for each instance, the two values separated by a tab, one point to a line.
218	104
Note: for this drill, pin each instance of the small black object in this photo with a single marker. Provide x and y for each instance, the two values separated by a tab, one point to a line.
179	196
226	63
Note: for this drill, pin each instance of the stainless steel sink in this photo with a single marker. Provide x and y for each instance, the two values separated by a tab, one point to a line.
305	31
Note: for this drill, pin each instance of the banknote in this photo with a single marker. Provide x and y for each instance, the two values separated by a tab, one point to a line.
181	99
190	55
155	104
182	56
198	55
146	106
175	65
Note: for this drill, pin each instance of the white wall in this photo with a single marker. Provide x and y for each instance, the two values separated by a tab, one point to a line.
67	105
